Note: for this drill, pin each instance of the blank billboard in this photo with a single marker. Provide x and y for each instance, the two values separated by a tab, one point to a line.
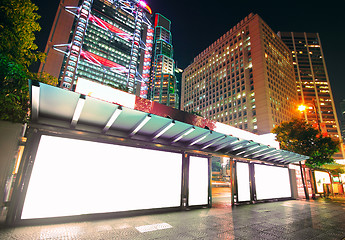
272	182
198	181
243	185
73	177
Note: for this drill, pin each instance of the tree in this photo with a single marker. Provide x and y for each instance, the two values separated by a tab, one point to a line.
17	52
300	137
14	89
17	26
14	97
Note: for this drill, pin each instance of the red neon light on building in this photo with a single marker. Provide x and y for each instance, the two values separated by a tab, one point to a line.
107	26
145	6
100	61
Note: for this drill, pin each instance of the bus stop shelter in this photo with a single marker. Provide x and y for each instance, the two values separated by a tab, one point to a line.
87	157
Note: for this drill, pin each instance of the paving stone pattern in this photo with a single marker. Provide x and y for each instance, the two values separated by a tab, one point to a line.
295	219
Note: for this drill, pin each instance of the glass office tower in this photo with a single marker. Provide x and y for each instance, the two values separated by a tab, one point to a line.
313	86
163	82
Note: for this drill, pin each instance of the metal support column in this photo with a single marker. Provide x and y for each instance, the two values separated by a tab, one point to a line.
303	182
185	181
232	181
252	183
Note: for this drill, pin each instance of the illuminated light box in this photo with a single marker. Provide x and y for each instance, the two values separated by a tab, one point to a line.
106	93
266	139
272	182
320	179
74	177
243	186
198	181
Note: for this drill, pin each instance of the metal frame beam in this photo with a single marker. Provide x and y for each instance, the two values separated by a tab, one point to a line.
113	118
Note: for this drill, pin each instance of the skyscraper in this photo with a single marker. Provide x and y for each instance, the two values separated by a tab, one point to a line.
163	81
245	79
59	34
313	86
342	110
108	44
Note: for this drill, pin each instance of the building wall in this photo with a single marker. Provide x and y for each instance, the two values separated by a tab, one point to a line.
59	34
244	79
263	116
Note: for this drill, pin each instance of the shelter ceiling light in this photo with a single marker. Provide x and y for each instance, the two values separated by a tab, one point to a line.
184	134
200	138
164	129
142	124
78	110
214	141
113	118
35	99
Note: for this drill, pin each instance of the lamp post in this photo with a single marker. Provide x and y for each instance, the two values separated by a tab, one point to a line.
302	108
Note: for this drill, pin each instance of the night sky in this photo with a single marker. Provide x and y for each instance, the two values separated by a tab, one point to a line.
197	24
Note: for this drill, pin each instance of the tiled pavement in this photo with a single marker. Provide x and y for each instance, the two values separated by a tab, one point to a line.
295	219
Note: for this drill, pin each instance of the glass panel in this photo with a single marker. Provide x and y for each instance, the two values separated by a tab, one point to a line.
221	191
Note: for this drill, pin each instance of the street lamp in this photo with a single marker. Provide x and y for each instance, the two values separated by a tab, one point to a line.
302	108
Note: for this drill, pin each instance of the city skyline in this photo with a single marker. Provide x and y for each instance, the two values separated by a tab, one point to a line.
197	24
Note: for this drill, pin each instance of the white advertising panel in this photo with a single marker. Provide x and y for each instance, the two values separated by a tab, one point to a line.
272	182
106	93
320	179
73	177
266	139
198	181
243	185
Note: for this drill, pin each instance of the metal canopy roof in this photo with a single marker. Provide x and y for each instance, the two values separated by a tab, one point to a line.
58	107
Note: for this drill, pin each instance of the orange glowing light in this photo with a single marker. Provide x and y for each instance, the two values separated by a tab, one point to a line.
302	108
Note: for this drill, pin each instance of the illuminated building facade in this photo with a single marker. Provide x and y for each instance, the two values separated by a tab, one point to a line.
59	33
178	75
110	43
163	82
342	110
313	86
244	79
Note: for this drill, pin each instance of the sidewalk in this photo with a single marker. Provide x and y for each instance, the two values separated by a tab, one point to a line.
294	219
